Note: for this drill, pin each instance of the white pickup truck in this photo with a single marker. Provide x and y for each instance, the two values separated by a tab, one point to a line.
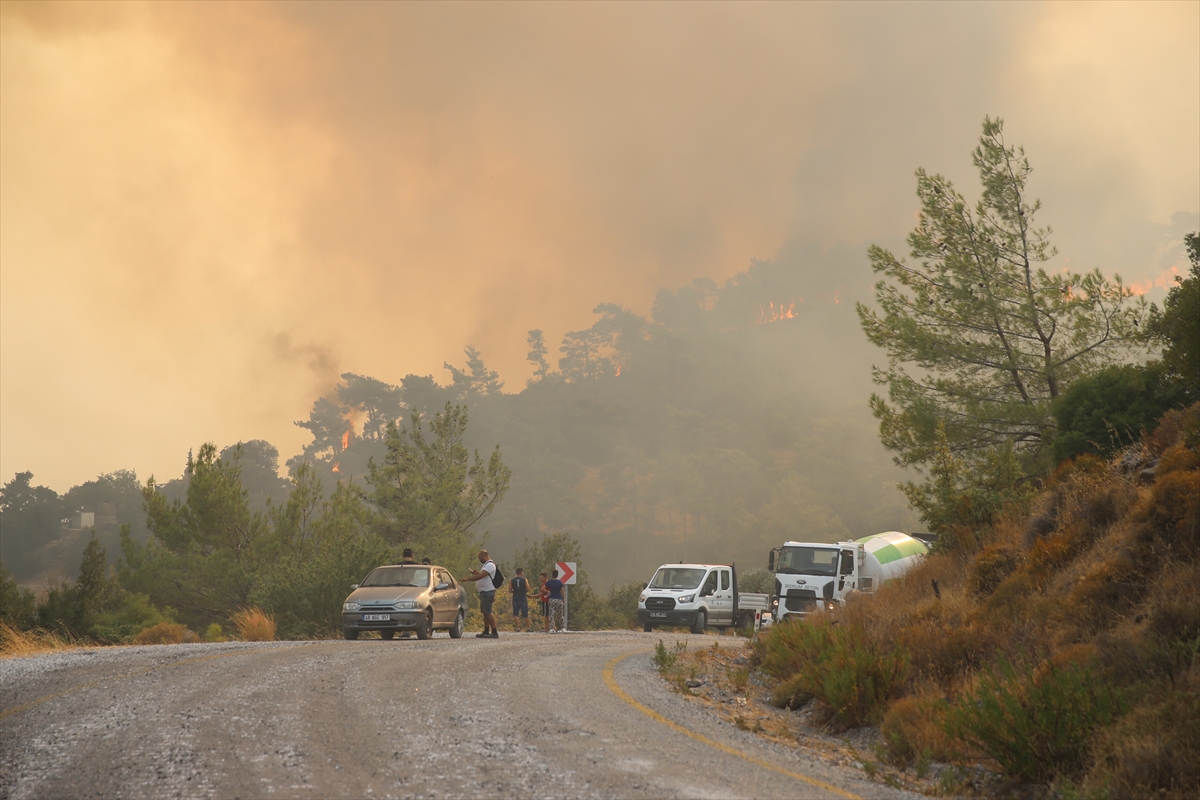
698	596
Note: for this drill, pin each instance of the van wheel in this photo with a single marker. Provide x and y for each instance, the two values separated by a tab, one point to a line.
700	623
648	627
386	635
457	631
350	633
425	629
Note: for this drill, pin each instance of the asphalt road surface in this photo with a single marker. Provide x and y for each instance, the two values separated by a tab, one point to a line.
527	715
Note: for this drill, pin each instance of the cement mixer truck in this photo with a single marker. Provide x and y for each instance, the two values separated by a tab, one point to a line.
813	576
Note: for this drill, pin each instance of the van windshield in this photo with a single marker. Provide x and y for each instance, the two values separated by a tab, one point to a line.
677	578
808	561
398	576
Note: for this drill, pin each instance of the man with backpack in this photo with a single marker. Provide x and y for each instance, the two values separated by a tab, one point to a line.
489	579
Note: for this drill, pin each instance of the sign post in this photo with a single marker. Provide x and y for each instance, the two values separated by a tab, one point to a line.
566	574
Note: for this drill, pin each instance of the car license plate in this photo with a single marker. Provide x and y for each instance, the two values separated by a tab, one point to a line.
658	615
376	617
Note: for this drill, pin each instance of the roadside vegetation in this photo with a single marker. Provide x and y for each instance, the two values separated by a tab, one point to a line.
1060	648
1053	635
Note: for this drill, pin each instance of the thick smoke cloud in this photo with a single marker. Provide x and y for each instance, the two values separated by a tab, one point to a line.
208	211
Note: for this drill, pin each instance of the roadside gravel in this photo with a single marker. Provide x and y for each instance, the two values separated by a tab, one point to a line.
527	715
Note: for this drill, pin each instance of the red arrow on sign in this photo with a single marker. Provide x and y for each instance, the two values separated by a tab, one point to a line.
565	572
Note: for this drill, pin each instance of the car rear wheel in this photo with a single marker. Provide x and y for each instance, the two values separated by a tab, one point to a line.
456	632
701	621
425	627
386	634
350	633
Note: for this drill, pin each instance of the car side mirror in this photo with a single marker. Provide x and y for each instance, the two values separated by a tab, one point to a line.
441	586
353	586
771	562
706	592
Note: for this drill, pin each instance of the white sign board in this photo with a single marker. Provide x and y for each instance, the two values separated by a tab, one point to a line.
566	572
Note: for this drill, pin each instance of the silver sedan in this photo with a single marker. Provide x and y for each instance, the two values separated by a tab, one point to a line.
405	597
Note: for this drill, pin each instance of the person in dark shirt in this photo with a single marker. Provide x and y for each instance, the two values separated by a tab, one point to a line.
520	599
554	587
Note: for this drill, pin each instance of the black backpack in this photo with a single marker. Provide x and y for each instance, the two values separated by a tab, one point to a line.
498	578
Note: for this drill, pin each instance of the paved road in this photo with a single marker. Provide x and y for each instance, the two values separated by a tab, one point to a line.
527	715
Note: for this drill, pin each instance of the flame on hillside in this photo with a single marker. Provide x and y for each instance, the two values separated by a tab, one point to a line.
774	313
336	464
1165	279
346	438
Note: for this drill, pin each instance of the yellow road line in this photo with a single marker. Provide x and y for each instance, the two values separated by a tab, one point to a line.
654	715
47	698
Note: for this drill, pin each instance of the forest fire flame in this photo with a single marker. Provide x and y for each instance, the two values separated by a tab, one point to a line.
1164	280
346	440
775	313
336	464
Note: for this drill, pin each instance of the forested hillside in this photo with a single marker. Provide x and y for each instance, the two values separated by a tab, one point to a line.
730	419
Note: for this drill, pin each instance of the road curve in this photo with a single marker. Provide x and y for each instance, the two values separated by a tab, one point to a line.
527	715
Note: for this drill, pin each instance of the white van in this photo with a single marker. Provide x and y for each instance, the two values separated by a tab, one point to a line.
698	596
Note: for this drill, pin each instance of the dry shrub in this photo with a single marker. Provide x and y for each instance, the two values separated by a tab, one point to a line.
163	633
1037	724
1177	426
1108	592
1169	519
791	694
1010	601
15	643
1153	751
913	728
992	566
254	625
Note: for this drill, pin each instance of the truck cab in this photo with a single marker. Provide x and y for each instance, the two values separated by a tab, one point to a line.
811	577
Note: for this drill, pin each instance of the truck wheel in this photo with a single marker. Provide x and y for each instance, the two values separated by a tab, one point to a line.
647	627
457	631
700	623
386	635
350	633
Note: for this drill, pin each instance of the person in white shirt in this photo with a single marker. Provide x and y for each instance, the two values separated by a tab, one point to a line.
487	594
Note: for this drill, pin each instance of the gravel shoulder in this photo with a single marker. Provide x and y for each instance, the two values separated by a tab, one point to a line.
526	715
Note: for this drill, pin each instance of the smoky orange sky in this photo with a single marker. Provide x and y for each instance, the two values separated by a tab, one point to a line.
209	211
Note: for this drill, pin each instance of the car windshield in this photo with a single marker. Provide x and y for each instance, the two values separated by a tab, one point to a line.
397	576
677	578
808	561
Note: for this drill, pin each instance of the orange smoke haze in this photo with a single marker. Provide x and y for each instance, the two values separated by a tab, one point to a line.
210	211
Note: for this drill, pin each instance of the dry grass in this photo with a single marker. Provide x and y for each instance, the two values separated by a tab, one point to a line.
1102	581
164	633
16	643
254	625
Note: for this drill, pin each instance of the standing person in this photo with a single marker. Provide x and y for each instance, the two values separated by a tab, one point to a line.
406	558
487	594
520	599
544	601
554	587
